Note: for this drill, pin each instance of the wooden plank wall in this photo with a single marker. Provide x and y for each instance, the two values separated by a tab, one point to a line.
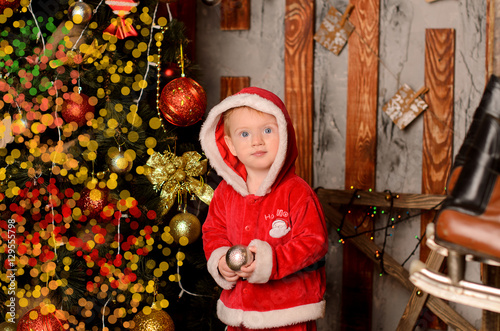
299	65
232	85
437	148
235	15
360	155
492	38
491	274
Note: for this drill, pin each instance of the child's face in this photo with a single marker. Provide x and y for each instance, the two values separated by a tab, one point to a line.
253	138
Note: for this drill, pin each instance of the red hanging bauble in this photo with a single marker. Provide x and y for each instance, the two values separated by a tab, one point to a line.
9	4
76	108
36	320
183	101
92	201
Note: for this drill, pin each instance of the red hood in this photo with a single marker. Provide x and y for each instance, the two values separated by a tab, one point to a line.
227	165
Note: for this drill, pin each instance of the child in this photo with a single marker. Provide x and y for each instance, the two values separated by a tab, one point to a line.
261	203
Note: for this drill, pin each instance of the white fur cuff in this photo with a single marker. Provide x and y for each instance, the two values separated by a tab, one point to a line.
263	261
213	268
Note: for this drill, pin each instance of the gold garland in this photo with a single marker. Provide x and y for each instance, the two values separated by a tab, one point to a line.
174	176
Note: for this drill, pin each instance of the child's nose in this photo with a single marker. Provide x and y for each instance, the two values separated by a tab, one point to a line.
257	139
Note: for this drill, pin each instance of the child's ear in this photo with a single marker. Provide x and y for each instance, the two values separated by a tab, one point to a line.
230	145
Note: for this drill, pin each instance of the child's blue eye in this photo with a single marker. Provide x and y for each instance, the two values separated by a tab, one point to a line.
244	134
268	130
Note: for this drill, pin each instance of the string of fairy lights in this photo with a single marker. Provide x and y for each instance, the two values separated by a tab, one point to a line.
373	213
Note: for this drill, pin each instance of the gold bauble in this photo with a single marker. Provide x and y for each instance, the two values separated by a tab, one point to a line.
180	162
185	225
170	168
157	320
70	58
180	175
7	326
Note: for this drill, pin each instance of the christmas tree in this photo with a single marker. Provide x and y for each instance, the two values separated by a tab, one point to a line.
103	187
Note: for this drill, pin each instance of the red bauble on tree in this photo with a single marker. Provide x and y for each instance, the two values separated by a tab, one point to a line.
14	4
92	201
36	320
183	101
76	108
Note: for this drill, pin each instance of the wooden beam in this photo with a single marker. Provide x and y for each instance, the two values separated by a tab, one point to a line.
235	15
418	297
368	248
491	274
437	149
360	155
232	85
383	199
491	277
492	38
362	92
299	24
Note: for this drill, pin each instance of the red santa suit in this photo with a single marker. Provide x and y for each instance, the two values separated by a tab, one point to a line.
283	219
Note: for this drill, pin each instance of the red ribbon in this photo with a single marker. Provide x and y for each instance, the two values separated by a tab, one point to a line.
121	29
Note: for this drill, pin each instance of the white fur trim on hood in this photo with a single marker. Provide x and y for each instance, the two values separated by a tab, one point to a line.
209	143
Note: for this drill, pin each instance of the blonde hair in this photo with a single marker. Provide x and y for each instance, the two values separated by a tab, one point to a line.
229	112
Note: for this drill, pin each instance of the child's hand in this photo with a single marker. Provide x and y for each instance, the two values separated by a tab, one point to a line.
226	272
247	270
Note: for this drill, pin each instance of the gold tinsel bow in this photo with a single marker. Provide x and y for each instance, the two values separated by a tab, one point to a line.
173	176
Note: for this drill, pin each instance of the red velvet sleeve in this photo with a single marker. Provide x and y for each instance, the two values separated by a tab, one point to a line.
309	242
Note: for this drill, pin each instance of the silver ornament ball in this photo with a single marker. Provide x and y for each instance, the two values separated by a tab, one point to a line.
238	256
119	163
80	12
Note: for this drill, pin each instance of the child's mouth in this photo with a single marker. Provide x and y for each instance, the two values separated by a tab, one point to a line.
259	153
